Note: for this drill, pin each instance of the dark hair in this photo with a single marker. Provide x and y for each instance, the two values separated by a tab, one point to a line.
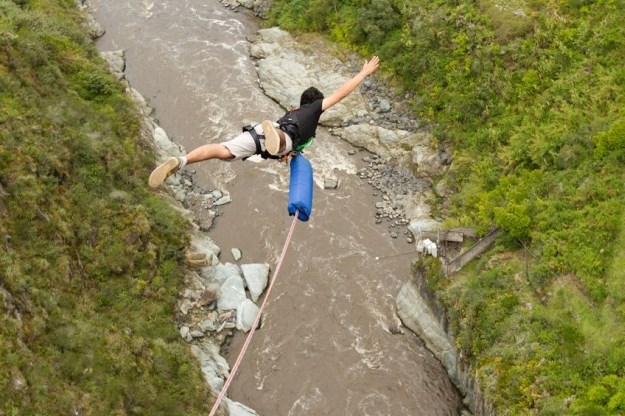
310	95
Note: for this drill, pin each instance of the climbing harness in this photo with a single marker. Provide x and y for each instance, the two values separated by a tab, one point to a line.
263	153
289	124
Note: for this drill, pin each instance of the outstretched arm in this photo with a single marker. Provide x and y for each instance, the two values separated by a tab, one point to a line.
368	68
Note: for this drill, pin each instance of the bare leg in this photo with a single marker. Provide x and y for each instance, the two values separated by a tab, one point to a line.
209	151
172	165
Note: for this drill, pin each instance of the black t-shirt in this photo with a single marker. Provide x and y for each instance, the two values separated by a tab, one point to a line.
306	118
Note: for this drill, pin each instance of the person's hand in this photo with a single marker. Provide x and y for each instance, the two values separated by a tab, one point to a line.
370	66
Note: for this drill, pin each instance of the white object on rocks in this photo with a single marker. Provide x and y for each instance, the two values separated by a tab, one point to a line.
427	246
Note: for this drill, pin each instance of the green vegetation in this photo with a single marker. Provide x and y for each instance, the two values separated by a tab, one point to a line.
530	95
90	261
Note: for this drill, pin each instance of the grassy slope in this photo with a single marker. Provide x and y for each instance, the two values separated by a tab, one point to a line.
89	259
530	97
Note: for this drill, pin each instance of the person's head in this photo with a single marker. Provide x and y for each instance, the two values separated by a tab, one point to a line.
310	95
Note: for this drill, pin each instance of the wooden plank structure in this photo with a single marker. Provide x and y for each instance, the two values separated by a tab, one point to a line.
474	251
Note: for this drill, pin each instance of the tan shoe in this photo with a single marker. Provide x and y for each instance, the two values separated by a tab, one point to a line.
158	175
272	137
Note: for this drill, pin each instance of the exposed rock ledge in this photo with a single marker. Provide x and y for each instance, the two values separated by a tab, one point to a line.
419	311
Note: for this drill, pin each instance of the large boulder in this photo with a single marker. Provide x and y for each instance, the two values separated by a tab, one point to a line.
246	315
256	277
224	271
232	293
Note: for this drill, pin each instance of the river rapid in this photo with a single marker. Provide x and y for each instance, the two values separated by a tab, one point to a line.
330	343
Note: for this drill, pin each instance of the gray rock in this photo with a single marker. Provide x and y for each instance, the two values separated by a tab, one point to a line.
179	194
186	334
166	148
185	306
117	62
427	161
202	244
223	200
196	334
385	106
330	182
238	409
224	271
256	277
232	293
208	325
236	254
94	29
382	141
416	315
246	315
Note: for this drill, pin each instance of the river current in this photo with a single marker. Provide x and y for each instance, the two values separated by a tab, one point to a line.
327	345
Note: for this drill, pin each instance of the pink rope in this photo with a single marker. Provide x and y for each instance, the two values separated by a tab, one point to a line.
248	340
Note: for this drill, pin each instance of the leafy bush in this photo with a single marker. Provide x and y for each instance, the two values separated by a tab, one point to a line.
90	260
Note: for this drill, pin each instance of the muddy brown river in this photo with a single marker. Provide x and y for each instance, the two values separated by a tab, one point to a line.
326	346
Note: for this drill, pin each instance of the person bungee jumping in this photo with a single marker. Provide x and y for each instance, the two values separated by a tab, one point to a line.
275	140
